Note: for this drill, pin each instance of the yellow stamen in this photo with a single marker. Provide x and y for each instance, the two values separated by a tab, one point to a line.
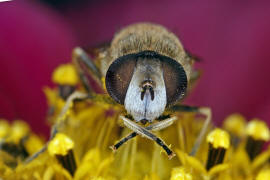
219	142
258	130
60	145
258	134
4	128
65	75
235	124
19	129
219	138
62	148
33	144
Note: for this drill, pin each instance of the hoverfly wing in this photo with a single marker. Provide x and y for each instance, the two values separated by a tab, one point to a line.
195	73
192	57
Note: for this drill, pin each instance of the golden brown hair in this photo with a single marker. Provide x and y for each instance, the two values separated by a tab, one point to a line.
147	37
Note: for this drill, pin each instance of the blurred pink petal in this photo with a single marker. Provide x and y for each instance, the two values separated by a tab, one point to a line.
33	41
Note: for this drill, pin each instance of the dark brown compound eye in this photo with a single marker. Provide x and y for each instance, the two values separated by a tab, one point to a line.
118	77
175	80
121	70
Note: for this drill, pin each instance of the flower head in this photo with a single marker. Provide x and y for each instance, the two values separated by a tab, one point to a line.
80	149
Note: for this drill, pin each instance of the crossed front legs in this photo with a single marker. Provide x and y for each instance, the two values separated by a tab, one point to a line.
145	131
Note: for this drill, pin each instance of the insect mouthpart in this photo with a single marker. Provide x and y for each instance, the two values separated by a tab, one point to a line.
144	121
147	87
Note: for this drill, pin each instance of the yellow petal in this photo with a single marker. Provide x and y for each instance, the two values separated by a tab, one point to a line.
196	164
260	159
93	156
152	176
191	161
218	169
51	95
263	174
104	165
181	156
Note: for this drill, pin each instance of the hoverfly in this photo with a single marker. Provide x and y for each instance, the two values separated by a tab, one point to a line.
147	71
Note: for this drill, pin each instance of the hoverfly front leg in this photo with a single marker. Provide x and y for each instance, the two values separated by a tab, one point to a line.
162	124
146	133
153	127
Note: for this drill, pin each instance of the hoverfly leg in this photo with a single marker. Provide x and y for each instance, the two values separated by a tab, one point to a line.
69	103
162	124
86	68
206	111
60	121
123	140
153	127
34	156
147	134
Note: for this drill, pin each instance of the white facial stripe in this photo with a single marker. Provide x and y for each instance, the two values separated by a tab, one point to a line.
146	108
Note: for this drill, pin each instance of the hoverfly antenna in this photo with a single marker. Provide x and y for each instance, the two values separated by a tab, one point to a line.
147	85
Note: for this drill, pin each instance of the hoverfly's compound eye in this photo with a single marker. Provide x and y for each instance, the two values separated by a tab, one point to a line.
118	77
121	71
175	79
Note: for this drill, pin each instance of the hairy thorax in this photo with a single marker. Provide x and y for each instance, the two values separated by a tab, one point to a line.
146	37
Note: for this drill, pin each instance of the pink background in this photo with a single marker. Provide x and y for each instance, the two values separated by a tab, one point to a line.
233	39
